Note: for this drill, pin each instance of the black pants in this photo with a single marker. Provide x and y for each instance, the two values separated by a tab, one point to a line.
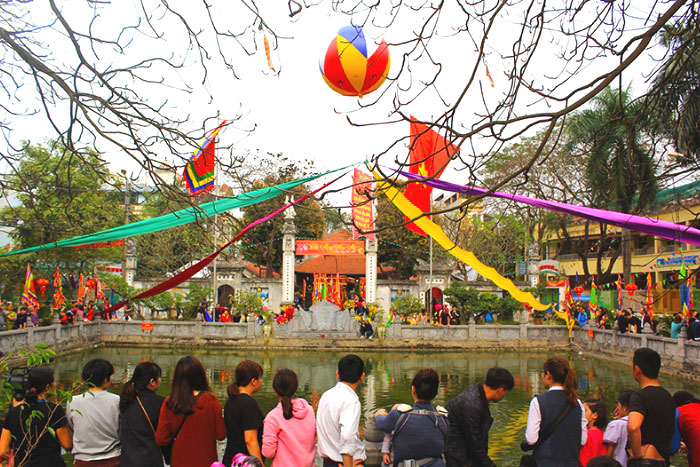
646	463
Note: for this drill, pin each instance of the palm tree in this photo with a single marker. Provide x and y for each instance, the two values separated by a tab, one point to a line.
620	169
675	94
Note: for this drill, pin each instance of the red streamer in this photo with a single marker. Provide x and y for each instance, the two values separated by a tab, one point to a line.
194	269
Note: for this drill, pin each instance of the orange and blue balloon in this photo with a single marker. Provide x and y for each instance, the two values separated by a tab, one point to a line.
346	68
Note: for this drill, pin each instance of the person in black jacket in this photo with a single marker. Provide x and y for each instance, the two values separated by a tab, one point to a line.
470	420
139	406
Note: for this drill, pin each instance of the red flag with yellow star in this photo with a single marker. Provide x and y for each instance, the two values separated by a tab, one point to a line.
429	155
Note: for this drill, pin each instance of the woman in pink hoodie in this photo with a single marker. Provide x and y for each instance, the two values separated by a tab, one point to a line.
289	431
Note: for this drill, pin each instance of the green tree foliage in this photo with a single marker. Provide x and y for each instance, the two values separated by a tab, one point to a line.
406	305
263	244
167	251
59	195
615	133
461	298
400	248
245	303
675	95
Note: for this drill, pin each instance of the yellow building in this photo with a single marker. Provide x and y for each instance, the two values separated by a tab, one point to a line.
662	258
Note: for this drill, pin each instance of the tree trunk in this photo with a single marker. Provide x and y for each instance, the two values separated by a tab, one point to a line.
627	256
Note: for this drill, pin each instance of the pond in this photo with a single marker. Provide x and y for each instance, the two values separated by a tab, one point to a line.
388	379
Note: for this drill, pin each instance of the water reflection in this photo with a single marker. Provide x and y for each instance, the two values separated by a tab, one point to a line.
388	380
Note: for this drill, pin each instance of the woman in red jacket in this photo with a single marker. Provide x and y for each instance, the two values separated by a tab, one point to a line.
191	416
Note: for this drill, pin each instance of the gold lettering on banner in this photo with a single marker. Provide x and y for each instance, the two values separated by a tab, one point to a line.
330	248
362	214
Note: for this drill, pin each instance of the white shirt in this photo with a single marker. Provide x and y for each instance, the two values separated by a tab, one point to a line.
534	419
94	419
337	423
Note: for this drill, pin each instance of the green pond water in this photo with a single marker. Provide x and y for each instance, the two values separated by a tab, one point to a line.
388	379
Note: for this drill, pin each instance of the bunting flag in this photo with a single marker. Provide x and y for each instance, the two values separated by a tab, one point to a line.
650	297
200	171
29	293
186	274
176	219
619	291
657	227
58	298
434	231
81	288
430	154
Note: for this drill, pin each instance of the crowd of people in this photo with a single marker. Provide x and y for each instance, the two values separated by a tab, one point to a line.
141	428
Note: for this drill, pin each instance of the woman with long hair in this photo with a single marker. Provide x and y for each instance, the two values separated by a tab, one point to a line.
556	422
290	428
139	407
244	420
29	426
190	417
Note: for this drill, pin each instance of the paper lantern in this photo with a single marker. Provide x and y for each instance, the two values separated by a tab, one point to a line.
90	283
578	291
42	283
346	68
631	288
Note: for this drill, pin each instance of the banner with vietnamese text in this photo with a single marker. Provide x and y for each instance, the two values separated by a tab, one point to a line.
362	214
330	248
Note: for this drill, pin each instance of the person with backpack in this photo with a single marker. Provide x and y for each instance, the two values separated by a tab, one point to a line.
139	406
470	420
556	423
418	432
190	418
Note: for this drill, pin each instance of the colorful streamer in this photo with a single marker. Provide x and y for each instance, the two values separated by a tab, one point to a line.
434	231
176	219
655	227
194	269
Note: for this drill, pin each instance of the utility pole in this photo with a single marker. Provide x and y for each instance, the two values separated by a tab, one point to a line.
126	221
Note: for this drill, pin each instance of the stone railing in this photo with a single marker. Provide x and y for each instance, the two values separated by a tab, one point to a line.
678	354
58	337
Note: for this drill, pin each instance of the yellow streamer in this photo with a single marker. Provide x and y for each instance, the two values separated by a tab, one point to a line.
434	230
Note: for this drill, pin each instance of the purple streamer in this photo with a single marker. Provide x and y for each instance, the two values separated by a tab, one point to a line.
655	227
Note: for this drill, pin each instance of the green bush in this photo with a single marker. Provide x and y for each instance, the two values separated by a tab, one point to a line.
406	305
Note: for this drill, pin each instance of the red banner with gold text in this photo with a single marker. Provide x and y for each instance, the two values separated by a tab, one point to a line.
330	248
362	214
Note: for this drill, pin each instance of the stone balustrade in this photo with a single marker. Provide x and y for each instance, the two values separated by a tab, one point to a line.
677	354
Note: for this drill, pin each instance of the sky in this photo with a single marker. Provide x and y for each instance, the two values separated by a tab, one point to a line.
292	111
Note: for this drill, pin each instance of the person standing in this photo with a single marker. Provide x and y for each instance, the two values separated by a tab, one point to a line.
21	320
3	318
418	432
190	417
27	428
290	428
139	406
689	424
615	436
338	417
470	420
94	418
651	421
597	416
562	446
242	415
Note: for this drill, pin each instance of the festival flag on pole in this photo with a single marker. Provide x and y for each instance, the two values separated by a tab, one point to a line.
650	297
29	293
430	154
99	292
81	288
619	291
200	171
58	298
593	302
